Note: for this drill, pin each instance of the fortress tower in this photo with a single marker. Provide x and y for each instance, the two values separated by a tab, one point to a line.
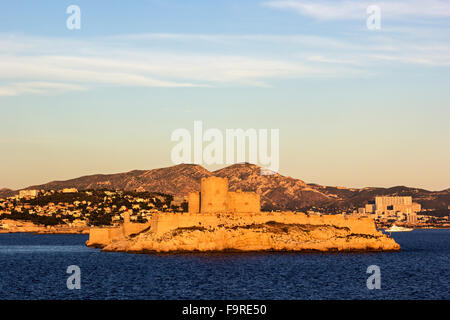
194	202
215	198
214	192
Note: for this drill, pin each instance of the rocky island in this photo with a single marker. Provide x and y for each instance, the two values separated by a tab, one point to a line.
15	226
219	220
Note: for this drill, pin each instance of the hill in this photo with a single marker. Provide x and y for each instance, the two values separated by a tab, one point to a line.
5	192
277	192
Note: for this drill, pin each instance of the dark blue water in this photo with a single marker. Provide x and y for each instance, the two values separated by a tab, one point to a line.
34	267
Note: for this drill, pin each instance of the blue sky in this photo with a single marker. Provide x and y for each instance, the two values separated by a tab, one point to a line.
355	107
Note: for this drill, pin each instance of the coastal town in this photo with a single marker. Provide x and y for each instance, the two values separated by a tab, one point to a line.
395	210
74	211
71	211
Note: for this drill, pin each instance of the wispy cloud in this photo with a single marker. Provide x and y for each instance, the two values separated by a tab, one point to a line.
146	69
233	39
37	87
128	61
333	60
338	10
45	65
424	59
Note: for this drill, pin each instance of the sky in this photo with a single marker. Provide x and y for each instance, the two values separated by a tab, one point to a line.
354	106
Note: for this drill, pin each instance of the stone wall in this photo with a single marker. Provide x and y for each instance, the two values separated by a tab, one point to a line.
99	236
243	202
165	222
102	236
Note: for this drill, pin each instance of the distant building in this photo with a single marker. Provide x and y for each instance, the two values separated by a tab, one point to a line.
370	208
140	189
393	206
411	218
28	193
396	204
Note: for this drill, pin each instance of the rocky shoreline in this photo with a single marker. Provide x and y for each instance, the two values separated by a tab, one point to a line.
16	226
264	237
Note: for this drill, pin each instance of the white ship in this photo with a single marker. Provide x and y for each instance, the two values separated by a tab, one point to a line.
395	228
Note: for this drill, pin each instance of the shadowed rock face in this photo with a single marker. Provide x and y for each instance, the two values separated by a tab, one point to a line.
277	191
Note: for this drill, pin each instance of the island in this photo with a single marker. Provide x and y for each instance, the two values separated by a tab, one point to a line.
21	226
220	220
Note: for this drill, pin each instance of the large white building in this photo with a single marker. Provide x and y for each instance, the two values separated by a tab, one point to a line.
392	206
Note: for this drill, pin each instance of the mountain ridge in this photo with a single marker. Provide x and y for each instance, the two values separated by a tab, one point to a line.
278	192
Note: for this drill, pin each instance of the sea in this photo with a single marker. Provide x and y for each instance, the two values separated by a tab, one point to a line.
62	267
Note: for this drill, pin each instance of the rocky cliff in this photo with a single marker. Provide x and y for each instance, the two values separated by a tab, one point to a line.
257	237
280	232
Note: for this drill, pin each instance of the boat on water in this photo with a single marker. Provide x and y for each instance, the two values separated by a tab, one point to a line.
395	228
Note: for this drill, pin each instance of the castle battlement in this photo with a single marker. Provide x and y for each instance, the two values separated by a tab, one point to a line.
214	197
162	223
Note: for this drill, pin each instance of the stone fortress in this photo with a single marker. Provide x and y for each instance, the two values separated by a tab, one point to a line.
218	219
215	198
